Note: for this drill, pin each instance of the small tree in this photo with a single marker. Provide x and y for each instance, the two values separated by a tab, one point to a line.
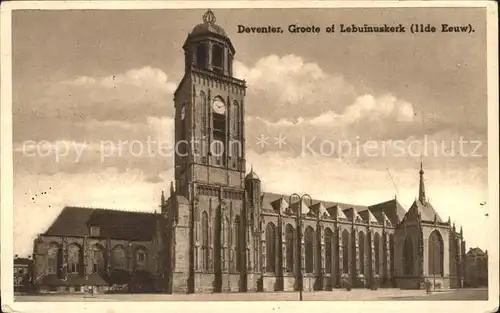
361	280
375	282
346	281
428	286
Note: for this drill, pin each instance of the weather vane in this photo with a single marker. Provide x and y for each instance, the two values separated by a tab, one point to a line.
209	17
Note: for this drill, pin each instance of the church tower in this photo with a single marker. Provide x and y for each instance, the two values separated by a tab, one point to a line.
210	226
209	106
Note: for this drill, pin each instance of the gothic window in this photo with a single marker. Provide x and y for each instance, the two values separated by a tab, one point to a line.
218	146
345	251
239	244
436	249
362	244
54	258
203	109
225	242
74	259
201	56
328	251
204	242
256	248
290	248
271	248
141	258
391	252
376	247
235	118
119	257
217	58
309	249
235	146
98	261
408	256
230	64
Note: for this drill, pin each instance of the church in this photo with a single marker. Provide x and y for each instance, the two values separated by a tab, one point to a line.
217	231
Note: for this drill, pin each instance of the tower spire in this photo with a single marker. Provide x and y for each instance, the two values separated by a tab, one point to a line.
421	189
162	198
172	191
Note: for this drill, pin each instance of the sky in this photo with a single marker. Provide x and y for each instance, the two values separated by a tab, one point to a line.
84	81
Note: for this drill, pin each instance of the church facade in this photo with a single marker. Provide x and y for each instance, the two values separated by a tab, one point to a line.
219	232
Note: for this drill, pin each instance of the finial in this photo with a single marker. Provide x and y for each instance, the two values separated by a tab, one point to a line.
162	197
172	191
209	17
461	231
449	220
421	187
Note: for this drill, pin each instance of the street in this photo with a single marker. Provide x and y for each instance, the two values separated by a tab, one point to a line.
335	295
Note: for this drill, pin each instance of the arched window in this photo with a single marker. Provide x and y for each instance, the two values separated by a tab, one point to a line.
235	114
271	248
328	251
376	247
309	249
218	146
119	258
408	256
54	255
362	243
290	248
225	242
217	58
74	259
436	249
204	242
201	56
391	253
204	124
141	258
345	251
239	244
98	260
235	146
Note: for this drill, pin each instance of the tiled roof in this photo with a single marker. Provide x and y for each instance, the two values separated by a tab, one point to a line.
300	205
391	208
76	221
352	214
368	217
426	210
336	212
279	205
319	209
269	197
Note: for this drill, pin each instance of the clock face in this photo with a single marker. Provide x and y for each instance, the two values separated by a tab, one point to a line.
219	107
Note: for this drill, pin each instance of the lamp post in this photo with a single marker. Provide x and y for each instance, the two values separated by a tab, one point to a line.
299	238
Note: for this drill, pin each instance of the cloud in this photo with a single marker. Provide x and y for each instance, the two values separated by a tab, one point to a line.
39	198
288	86
129	96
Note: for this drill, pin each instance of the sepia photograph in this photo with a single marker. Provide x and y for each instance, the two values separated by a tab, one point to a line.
199	152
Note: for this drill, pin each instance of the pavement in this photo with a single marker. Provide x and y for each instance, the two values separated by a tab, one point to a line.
335	295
